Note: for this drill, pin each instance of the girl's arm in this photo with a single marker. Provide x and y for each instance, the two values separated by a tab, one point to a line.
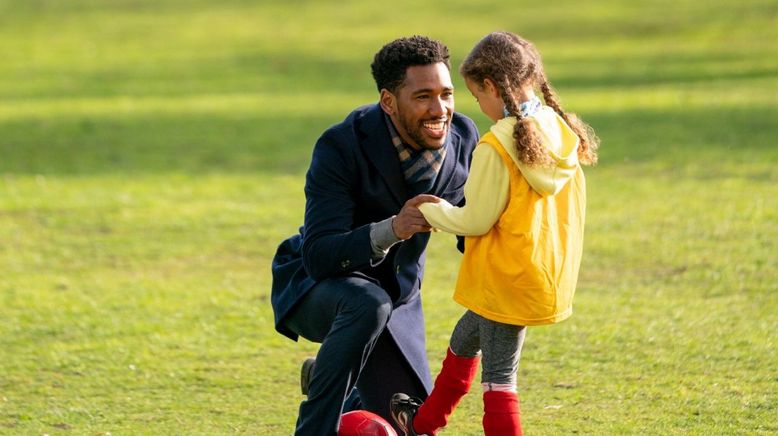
486	194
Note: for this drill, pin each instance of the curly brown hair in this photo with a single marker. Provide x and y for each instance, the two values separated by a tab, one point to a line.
512	63
391	63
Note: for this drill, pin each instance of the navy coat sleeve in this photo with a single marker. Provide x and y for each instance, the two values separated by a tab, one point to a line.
333	245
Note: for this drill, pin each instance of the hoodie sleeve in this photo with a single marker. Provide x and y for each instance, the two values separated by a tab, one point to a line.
486	194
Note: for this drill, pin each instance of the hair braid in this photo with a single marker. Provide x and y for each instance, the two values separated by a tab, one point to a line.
587	148
514	63
528	144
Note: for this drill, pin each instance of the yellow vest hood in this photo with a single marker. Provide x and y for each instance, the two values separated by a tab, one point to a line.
560	141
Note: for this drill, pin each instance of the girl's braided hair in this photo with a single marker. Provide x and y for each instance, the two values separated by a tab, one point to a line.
512	62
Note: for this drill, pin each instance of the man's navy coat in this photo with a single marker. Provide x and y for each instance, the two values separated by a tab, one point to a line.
354	180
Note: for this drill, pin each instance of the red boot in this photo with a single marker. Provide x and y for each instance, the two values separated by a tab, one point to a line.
451	385
501	414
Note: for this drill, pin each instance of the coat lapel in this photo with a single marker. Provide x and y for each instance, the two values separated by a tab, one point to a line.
380	151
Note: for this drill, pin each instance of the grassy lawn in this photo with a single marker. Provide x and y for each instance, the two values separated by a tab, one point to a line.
152	155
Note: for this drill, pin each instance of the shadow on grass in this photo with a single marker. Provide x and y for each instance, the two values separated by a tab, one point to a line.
677	70
272	144
252	71
257	70
688	136
191	144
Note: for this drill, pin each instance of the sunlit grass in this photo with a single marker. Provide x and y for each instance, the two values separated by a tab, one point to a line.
152	156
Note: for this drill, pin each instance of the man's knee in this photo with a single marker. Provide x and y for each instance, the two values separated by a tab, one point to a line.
372	308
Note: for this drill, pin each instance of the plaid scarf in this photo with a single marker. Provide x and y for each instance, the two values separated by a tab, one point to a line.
420	167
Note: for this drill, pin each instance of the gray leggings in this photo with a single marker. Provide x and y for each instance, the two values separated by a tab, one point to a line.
500	344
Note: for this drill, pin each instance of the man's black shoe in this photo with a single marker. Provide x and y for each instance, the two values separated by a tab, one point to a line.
306	373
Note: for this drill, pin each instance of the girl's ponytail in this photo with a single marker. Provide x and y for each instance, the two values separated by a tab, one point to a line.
510	60
587	148
528	143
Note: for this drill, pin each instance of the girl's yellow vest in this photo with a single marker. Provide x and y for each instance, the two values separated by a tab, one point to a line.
524	270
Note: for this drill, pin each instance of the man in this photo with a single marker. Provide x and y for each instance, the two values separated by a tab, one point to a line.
351	279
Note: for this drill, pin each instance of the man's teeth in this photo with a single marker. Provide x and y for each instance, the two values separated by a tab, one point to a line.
438	125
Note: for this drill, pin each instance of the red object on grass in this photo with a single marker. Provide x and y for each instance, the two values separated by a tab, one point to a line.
364	423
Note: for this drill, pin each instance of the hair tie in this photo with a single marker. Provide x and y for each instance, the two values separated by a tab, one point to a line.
505	112
529	107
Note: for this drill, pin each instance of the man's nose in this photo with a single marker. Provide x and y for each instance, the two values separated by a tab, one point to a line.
438	107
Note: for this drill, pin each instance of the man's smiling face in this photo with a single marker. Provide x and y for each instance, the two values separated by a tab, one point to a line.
422	107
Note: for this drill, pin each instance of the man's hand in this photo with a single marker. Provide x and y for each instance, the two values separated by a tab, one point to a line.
410	220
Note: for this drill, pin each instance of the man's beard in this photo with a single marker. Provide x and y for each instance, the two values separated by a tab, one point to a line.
414	131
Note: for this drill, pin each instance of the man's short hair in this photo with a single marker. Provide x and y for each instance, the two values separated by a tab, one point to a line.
392	61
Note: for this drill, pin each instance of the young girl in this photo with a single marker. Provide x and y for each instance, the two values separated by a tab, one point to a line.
523	226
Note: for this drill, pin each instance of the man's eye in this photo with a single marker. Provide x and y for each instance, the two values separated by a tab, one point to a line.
422	97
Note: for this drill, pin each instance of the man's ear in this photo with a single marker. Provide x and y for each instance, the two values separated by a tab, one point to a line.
388	102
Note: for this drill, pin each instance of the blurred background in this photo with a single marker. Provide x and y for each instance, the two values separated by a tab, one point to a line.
152	156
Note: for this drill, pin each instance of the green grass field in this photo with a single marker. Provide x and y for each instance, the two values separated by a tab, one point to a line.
152	155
